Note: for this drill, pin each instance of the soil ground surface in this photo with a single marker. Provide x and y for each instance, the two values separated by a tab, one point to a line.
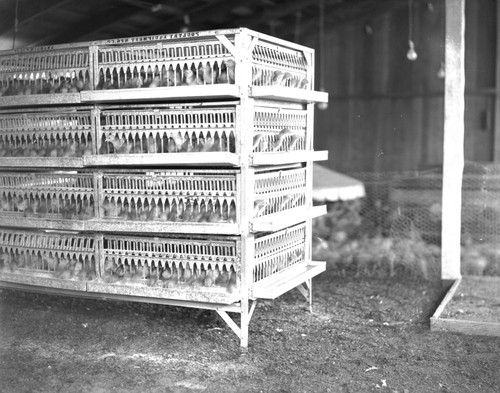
364	335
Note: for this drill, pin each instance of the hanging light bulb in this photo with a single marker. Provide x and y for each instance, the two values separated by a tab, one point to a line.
441	72
411	54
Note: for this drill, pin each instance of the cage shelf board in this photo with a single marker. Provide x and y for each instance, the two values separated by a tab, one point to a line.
287	279
18	221
471	306
176	159
184	293
41	162
159	94
283	93
216	228
114	296
164	94
277	221
281	158
34	278
40	100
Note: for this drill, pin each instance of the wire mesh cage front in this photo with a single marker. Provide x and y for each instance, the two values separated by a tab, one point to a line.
63	260
198	195
63	69
276	252
203	58
167	129
280	128
181	195
46	195
193	268
61	132
397	227
278	191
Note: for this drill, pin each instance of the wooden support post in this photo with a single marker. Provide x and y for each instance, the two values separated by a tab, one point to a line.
496	136
453	151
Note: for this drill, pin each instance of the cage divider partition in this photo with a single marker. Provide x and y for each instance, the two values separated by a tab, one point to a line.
189	194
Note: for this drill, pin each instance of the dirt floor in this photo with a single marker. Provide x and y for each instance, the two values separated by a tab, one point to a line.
365	335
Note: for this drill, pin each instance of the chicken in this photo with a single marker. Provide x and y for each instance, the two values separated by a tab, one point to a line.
166	273
4	204
304	83
173	77
232	214
54	205
120	146
63	268
173	214
156	82
214	215
259	206
68	150
77	270
32	208
210	144
206	71
69	210
176	143
153	277
231	284
198	278
257	138
173	280
187	275
188	213
133	83
110	266
20	204
151	145
278	78
86	212
191	78
281	137
226	74
154	214
200	213
8	263
257	77
210	278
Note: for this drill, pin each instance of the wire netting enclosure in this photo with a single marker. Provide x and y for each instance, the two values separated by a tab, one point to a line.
396	228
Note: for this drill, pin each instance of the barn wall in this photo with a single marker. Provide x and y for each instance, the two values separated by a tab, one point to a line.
386	112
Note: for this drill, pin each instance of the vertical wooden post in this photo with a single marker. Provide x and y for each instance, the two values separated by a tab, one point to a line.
496	136
453	151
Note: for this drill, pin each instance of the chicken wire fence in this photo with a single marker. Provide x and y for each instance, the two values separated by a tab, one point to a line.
396	228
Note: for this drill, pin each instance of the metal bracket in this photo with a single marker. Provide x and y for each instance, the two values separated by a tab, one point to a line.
306	290
228	45
230	322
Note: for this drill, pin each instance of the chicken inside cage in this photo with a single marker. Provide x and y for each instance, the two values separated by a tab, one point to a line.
129	271
141	142
169	209
166	75
24	84
64	266
48	205
46	144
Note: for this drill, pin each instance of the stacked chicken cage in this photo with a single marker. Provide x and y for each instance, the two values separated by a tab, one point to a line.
174	169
